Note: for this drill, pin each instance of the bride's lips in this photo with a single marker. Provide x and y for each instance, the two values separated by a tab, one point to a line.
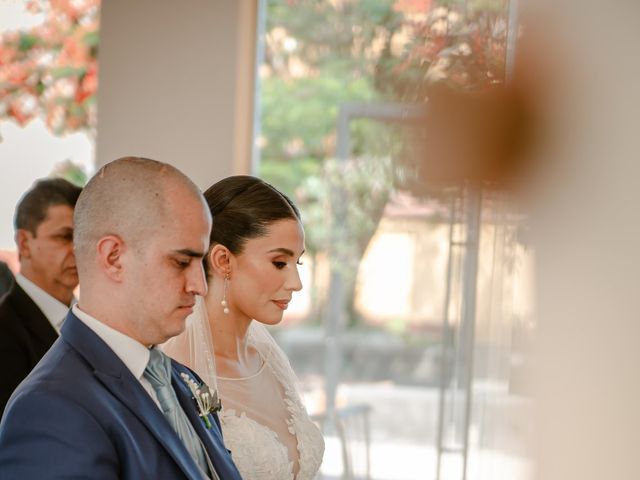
283	304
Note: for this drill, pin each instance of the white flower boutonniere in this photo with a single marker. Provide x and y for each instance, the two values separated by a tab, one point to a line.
206	401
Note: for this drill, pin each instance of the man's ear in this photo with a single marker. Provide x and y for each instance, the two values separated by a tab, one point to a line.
109	256
220	260
23	241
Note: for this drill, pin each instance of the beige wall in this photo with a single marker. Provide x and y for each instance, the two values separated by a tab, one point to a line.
412	286
176	84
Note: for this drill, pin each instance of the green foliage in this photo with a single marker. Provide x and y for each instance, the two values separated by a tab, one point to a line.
341	207
67	71
91	39
359	189
321	54
27	42
494	6
300	115
71	172
286	175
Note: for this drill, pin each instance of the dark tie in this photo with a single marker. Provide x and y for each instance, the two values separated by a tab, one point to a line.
158	372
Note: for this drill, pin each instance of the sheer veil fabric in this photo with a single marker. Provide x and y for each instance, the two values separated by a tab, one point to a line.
264	422
194	346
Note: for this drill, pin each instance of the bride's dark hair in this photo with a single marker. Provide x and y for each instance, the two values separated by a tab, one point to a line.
243	207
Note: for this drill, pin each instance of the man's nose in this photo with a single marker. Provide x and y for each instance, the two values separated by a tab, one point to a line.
197	282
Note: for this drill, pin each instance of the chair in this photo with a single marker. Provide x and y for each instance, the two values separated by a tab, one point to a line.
351	424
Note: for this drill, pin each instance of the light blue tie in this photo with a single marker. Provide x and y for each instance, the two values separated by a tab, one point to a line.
158	372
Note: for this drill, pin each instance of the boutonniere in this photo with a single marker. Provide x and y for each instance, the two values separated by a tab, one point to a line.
206	401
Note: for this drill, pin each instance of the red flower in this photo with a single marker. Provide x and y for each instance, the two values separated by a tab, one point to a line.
18	114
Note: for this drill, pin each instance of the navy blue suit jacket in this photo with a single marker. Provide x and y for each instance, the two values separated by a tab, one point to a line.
82	414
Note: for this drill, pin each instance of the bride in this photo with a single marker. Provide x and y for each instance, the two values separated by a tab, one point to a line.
256	243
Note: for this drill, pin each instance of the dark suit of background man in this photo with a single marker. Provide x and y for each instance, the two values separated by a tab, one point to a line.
33	309
6	278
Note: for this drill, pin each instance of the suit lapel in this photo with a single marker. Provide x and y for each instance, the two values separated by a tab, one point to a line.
214	450
119	380
32	317
131	393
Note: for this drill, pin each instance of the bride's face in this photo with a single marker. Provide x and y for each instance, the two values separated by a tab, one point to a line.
265	275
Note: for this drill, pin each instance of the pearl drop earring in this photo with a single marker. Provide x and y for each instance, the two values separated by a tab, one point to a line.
225	307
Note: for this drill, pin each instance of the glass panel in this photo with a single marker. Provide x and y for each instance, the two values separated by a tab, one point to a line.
406	334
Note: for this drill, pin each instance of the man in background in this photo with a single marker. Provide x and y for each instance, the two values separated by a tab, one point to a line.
32	311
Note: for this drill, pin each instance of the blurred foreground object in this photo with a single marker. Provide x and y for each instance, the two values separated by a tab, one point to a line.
578	73
587	229
475	136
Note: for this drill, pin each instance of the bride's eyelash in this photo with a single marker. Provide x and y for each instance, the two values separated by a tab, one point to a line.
279	265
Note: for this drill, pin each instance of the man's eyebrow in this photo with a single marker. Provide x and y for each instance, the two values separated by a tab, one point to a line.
189	253
63	231
285	251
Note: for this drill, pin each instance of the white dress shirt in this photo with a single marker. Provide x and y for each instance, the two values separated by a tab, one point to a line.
133	354
53	309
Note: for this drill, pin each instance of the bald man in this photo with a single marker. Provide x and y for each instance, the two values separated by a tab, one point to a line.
104	402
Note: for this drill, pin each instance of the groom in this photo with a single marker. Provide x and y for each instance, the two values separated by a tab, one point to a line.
104	402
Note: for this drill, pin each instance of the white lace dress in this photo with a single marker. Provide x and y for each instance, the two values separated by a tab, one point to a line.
266	426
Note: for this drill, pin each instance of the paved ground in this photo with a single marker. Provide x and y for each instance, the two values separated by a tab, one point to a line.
403	436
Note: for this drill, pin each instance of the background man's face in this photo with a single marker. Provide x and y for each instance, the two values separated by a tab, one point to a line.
47	257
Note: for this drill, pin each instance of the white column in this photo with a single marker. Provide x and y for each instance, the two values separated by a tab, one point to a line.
176	84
